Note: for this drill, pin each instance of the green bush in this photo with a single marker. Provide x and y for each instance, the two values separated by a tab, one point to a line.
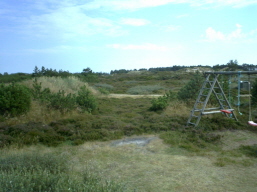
15	99
38	92
86	100
62	102
159	104
191	89
162	102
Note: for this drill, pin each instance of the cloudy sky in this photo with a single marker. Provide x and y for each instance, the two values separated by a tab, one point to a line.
125	34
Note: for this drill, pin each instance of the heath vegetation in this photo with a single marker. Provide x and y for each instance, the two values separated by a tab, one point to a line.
56	130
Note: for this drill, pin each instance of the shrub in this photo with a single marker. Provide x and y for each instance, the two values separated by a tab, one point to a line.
86	100
38	92
15	99
62	102
191	89
162	102
159	104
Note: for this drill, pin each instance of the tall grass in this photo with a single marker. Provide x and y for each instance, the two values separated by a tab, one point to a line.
69	84
48	171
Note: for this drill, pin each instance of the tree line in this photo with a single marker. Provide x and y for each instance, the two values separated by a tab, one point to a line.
88	75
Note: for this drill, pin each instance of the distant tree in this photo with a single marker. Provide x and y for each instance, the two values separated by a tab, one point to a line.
36	72
232	65
87	71
43	70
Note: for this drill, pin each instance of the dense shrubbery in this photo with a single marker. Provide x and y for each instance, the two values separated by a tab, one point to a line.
14	99
17	77
62	101
85	100
191	89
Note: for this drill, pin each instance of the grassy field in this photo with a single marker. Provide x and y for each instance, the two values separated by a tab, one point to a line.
153	167
75	150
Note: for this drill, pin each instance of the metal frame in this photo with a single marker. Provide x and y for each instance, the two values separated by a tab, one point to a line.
212	85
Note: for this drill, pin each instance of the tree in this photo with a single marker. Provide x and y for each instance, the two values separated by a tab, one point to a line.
87	71
36	72
232	65
191	89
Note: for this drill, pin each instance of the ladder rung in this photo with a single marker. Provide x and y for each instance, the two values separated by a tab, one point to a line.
191	123
204	95
210	112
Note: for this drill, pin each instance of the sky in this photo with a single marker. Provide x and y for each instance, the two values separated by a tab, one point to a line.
107	35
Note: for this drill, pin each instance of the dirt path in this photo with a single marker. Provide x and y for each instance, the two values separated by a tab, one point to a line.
131	96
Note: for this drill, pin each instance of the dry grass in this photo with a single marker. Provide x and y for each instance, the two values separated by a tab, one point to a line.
40	113
69	85
178	108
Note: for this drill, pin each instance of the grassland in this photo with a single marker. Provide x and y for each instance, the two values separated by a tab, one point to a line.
74	151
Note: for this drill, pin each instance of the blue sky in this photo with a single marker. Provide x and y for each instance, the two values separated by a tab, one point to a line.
125	34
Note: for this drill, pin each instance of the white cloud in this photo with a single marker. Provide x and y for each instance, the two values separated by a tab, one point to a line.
71	22
213	35
147	46
139	4
134	21
57	49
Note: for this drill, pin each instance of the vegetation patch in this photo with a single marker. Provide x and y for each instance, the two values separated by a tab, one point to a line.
15	99
147	89
35	171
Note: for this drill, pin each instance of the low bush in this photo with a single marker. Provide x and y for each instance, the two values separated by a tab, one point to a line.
15	99
191	140
162	102
159	103
62	102
86	100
